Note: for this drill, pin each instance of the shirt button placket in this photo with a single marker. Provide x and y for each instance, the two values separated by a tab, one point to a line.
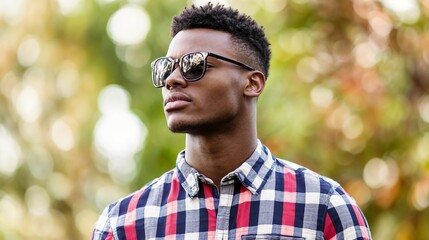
225	203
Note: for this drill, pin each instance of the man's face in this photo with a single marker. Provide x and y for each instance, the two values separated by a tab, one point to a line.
213	103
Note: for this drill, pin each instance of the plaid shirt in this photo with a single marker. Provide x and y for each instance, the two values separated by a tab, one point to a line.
265	196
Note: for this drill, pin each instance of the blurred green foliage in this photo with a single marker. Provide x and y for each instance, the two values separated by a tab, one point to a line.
347	96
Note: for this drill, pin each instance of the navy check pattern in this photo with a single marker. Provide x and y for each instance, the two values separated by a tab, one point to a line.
265	196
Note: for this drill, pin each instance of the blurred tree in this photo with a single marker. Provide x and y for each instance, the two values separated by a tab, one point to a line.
81	124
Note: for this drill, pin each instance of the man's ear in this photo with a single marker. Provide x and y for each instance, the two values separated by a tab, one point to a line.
255	84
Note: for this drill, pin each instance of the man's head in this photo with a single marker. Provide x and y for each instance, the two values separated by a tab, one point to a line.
248	36
213	72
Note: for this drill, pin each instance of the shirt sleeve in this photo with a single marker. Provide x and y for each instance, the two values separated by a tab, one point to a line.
102	229
344	219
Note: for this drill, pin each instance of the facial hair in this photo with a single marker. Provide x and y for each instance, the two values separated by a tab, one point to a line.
205	126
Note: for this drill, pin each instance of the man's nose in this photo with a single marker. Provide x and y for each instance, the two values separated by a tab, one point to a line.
175	80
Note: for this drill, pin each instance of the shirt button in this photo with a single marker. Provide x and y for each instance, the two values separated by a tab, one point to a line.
194	189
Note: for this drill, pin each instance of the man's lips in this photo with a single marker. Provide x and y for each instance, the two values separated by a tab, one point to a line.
175	101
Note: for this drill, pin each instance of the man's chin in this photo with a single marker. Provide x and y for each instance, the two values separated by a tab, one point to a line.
179	127
198	126
177	130
188	128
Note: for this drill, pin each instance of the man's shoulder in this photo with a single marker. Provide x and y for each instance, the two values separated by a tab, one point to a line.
307	176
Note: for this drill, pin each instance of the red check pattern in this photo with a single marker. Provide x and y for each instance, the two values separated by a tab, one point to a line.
265	196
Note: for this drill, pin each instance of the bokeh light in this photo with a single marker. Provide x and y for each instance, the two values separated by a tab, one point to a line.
28	103
12	11
12	211
119	134
10	152
129	25
380	173
28	51
367	54
62	135
408	11
420	197
37	200
322	96
68	7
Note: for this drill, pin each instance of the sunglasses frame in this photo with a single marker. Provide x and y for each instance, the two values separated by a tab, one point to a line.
177	62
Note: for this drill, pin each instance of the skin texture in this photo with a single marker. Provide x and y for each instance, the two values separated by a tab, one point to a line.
218	112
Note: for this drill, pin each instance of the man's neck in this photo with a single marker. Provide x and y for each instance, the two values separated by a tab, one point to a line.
216	155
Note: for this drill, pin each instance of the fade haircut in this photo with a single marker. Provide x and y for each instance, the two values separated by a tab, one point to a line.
247	36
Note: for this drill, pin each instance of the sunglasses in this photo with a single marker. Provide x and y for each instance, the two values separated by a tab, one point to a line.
192	67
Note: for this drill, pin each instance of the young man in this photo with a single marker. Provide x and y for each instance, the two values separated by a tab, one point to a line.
227	184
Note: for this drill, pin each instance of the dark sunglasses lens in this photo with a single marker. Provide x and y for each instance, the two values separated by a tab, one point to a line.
193	66
161	69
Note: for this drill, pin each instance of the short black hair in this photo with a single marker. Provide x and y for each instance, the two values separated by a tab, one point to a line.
247	35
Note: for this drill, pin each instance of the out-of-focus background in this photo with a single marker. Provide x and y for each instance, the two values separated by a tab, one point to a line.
81	125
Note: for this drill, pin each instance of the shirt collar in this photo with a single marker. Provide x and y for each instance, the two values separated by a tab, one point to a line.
253	173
